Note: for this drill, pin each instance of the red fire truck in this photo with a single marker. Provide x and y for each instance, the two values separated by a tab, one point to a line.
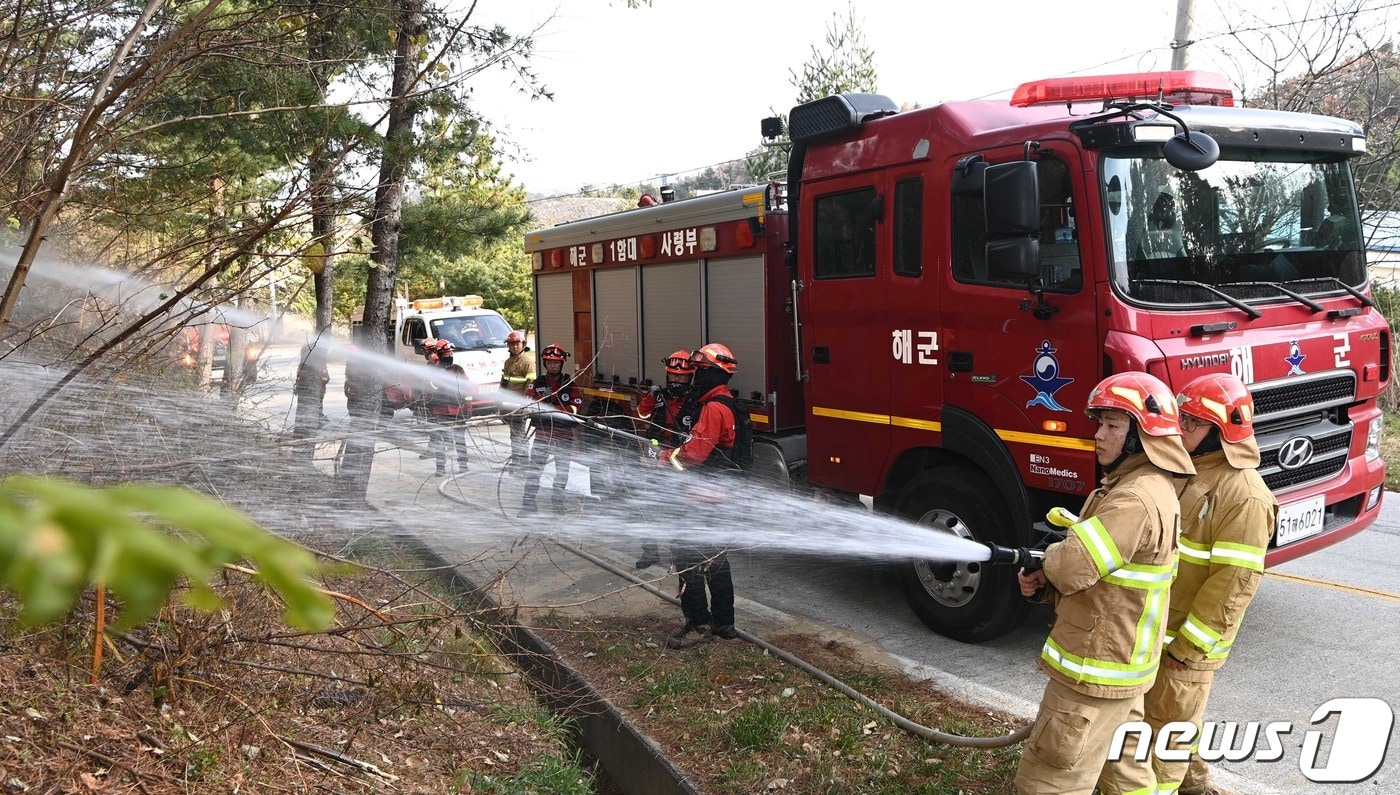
921	310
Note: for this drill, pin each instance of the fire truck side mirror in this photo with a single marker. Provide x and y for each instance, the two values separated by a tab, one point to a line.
1012	198
1191	151
1017	258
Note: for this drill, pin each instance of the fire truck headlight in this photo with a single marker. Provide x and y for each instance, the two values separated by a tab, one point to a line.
1373	439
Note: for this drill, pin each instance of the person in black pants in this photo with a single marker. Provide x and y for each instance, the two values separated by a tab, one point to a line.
710	454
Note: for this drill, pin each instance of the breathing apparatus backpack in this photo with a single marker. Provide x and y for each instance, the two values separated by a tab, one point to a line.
742	454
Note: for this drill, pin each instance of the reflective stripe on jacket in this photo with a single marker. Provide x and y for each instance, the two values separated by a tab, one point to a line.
1110	578
518	371
1227	518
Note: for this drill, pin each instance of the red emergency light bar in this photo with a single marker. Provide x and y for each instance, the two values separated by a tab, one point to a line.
1186	87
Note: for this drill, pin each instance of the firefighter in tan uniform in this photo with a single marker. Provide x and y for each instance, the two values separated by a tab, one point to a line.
516	375
1228	516
1109	581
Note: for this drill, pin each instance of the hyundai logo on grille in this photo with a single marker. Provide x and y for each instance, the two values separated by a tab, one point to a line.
1295	452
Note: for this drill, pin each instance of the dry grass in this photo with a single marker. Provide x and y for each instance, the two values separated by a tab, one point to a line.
403	697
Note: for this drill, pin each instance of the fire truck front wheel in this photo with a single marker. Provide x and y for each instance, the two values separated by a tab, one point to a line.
967	601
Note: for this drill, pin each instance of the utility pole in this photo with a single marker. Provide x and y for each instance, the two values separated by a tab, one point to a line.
1181	57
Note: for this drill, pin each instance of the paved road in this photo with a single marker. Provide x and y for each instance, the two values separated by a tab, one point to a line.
1322	627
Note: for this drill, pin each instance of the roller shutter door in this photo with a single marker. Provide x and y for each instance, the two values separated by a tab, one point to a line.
615	323
734	308
554	301
670	314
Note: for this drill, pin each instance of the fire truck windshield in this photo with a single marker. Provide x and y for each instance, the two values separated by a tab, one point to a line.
472	332
1235	232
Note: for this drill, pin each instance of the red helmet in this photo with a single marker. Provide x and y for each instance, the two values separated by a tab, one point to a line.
515	336
1222	400
1143	397
429	346
554	353
678	363
715	355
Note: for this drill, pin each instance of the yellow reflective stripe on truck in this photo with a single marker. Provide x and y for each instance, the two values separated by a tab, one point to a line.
1017	437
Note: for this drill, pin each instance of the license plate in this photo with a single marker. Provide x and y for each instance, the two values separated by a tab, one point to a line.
1299	520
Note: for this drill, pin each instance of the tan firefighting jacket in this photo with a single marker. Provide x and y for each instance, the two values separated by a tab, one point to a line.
1110	578
1227	518
519	371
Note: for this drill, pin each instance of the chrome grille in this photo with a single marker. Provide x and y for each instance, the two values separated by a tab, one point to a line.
1304	405
1303	393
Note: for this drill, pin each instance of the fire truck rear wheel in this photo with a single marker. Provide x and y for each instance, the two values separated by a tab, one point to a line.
966	601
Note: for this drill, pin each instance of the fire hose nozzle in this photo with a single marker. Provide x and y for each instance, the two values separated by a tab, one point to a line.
1026	558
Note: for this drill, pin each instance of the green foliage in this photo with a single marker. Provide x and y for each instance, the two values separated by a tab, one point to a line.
757	727
1388	300
561	775
845	64
1390	450
59	538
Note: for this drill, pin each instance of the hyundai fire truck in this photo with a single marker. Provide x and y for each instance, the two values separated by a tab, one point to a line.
477	333
920	311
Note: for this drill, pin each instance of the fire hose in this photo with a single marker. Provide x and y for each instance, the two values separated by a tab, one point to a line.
897	719
1000	555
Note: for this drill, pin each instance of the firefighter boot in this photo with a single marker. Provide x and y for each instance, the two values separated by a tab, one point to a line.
651	555
689	635
726	631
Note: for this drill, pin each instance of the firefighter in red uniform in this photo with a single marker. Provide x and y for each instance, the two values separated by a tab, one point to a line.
1228	515
659	414
711	449
555	436
447	403
1109	580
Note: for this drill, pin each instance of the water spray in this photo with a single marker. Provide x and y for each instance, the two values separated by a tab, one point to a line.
539	410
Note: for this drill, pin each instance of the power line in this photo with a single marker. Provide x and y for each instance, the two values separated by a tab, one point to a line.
635	183
1296	23
1128	56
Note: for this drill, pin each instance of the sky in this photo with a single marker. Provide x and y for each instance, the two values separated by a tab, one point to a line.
682	84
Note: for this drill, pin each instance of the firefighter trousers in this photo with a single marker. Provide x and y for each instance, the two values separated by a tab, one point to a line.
449	439
1179	696
701	567
519	439
562	450
1069	745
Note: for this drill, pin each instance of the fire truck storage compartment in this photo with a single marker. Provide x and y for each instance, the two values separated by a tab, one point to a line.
670	314
615	323
554	298
734	312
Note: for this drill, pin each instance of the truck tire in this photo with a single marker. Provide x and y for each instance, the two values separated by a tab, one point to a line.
776	472
967	601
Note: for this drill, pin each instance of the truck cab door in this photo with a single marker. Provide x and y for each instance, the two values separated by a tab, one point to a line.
1023	349
845	336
